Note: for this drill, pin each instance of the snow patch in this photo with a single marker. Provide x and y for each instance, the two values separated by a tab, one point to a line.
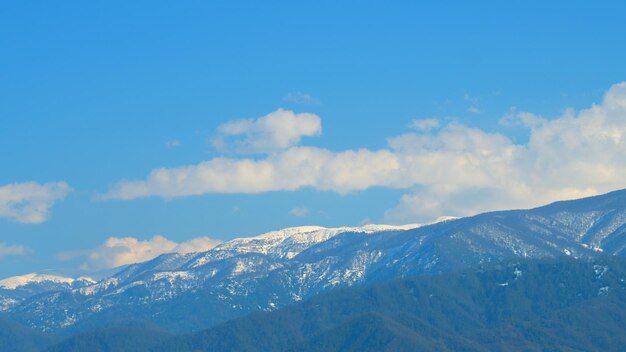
600	270
100	286
7	303
172	276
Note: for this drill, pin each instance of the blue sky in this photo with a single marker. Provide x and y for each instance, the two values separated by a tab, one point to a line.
403	112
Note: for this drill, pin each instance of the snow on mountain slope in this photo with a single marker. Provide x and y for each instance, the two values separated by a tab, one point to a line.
14	282
14	290
278	246
288	243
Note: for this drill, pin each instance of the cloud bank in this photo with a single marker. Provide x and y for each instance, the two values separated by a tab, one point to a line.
117	251
450	170
30	202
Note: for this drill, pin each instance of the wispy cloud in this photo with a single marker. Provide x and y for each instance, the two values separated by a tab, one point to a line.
424	125
300	98
30	202
172	143
8	250
273	132
471	99
299	212
117	251
473	108
451	170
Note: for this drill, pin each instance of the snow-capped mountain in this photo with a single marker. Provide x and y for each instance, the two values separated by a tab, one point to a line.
16	289
274	269
14	282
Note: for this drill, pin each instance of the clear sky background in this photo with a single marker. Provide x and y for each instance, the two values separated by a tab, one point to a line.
263	115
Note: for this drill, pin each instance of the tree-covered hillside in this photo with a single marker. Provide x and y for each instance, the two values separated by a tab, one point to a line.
561	304
564	305
15	337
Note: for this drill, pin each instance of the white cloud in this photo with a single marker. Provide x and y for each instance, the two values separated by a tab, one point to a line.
521	118
117	251
275	131
425	124
300	98
291	169
572	156
6	250
299	212
453	170
30	202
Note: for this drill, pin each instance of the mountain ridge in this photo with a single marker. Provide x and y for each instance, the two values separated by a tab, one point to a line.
269	271
524	305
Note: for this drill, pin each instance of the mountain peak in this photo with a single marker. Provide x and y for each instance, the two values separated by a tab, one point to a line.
14	282
287	232
289	242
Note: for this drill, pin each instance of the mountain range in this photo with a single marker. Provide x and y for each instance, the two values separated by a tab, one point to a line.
560	304
524	305
182	293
